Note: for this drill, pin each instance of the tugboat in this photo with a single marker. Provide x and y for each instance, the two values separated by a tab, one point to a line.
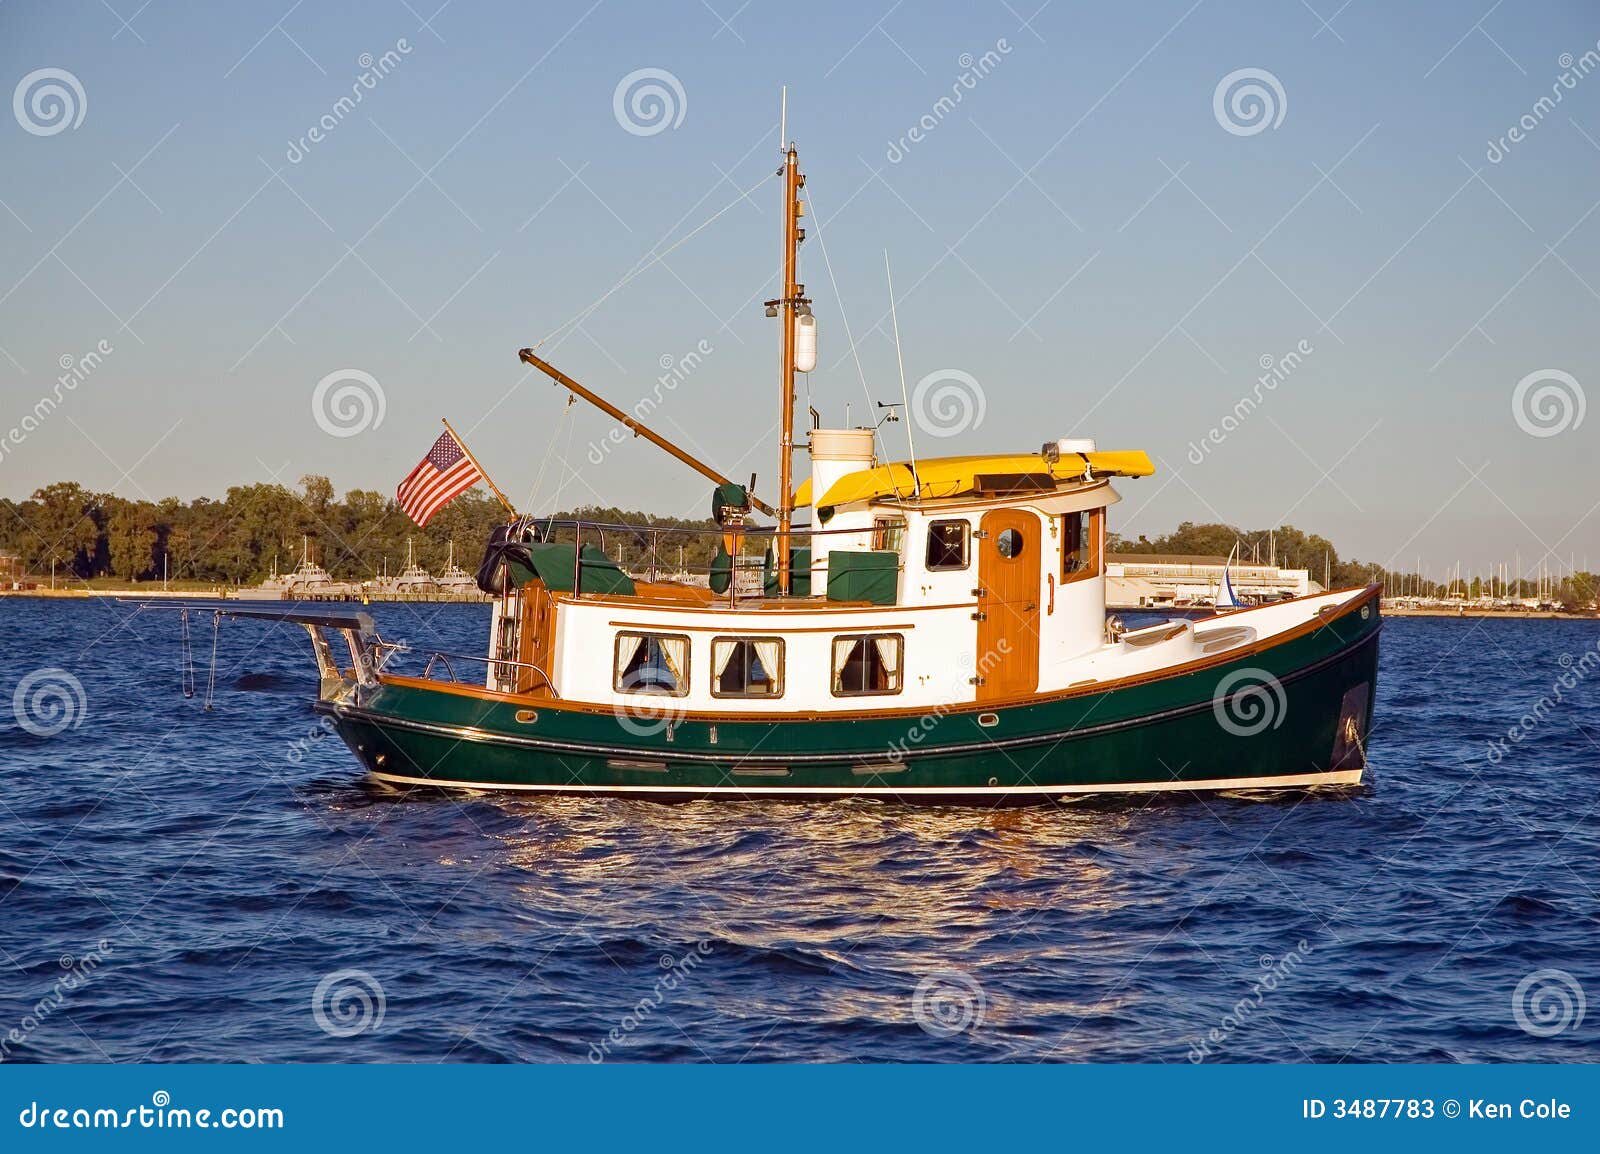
934	631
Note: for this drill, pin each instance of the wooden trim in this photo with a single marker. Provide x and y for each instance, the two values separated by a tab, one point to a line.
724	627
1369	596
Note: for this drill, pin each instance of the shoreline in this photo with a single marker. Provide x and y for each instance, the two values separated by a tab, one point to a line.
229	596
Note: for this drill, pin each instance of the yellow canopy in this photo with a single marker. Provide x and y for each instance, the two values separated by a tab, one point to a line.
955	476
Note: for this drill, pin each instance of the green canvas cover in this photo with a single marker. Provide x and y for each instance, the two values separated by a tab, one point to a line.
553	565
863	575
799	573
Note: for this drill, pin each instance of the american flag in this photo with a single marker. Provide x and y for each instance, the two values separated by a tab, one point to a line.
442	476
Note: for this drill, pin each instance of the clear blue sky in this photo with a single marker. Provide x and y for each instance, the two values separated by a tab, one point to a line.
1080	234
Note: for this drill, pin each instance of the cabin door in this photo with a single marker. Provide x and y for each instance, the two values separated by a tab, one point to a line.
1007	660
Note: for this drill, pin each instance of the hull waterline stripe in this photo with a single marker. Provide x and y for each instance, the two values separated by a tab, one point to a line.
1286	781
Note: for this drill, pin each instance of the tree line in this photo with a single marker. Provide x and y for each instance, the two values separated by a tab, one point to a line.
256	529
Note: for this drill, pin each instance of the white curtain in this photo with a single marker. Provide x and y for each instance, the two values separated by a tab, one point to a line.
769	651
675	652
628	645
722	652
889	655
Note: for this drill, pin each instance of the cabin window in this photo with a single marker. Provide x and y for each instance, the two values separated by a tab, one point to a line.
652	663
1080	544
747	667
867	664
888	533
947	546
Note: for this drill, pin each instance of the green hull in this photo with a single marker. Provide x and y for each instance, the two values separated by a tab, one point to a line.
1296	713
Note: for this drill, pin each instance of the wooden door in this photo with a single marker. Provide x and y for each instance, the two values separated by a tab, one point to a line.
1009	549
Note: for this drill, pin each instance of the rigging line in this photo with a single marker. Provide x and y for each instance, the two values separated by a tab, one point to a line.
566	467
650	261
211	679
549	452
916	481
185	658
816	220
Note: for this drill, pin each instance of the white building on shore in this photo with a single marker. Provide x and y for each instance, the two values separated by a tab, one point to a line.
1165	580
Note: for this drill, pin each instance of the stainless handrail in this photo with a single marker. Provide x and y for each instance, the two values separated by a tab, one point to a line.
440	655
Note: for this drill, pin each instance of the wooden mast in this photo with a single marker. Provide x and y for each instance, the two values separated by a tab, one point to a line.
787	304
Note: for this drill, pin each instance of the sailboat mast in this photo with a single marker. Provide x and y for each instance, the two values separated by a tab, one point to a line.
787	304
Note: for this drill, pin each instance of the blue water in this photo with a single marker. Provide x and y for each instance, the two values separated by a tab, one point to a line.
233	860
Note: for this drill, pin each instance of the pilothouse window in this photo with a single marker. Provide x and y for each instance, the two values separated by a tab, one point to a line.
1080	544
947	546
869	664
888	533
652	663
747	667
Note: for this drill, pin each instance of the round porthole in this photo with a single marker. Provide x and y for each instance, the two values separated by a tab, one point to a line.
1009	543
